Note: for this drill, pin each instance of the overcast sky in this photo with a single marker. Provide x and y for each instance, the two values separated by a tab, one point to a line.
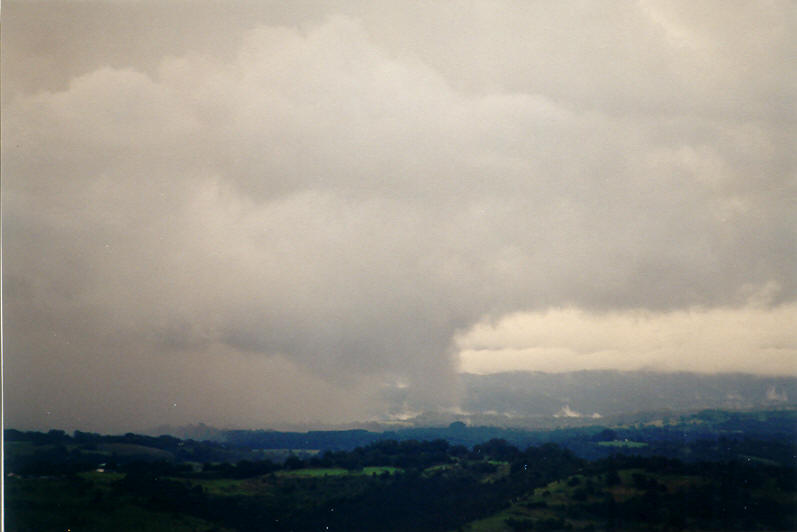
254	214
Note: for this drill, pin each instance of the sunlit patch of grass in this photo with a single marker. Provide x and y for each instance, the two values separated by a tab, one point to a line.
494	523
313	472
501	471
378	470
439	467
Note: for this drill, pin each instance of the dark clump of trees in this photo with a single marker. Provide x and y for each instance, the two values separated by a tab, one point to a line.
549	524
408	454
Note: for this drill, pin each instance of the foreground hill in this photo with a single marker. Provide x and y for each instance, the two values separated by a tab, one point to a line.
715	471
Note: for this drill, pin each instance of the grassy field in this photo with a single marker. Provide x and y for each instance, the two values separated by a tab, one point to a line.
378	470
316	472
502	470
494	523
556	505
552	504
622	443
225	486
441	467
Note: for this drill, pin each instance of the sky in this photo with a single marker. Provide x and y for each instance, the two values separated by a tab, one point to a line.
255	214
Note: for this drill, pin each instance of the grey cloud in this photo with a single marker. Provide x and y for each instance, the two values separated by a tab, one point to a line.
343	197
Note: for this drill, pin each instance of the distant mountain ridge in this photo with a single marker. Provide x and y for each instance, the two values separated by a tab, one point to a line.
774	432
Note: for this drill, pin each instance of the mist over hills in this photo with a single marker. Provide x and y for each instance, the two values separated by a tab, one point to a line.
601	394
526	399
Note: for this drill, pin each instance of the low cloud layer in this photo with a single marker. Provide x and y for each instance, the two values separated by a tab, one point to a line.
290	218
749	339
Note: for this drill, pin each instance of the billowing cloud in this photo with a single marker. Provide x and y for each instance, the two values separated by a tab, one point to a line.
322	204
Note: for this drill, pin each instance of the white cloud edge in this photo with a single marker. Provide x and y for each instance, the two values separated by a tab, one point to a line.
746	339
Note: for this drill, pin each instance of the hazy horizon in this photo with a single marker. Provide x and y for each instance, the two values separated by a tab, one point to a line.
254	213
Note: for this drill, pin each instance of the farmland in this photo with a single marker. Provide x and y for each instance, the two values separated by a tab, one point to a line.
92	482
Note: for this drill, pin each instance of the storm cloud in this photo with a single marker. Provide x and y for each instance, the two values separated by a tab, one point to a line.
256	214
